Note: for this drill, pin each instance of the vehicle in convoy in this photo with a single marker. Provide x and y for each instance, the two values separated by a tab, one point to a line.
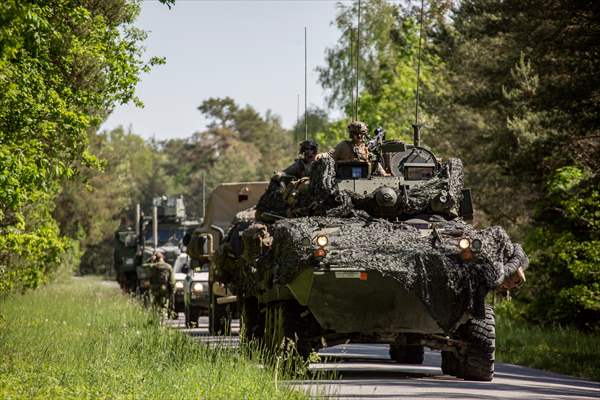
166	235
225	202
350	256
124	258
161	230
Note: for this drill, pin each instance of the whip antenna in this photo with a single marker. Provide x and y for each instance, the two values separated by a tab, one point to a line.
357	61
352	68
203	196
297	128
305	90
416	125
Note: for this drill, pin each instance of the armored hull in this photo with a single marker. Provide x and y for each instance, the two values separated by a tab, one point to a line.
362	303
375	276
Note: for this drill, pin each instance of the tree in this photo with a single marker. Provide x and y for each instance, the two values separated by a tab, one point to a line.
63	66
389	42
524	78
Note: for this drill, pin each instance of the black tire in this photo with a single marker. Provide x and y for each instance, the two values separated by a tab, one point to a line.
407	354
220	323
287	319
252	320
191	317
451	364
477	362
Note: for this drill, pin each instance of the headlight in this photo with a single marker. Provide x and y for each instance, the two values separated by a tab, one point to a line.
197	287
464	243
179	285
476	244
322	240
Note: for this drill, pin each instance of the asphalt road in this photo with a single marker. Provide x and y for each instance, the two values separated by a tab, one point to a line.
366	372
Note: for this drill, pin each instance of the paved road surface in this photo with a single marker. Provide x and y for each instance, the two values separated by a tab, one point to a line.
366	372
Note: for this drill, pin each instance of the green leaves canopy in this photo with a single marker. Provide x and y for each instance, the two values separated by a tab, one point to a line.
63	65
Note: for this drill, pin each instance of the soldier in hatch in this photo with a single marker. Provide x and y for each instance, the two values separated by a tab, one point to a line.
162	282
301	167
355	149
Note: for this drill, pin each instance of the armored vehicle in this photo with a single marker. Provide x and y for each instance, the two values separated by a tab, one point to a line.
124	258
350	256
162	231
225	202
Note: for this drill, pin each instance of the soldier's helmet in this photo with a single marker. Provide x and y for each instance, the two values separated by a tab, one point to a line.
158	256
308	145
357	128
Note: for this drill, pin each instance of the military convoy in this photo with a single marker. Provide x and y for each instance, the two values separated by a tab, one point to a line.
347	256
354	257
161	231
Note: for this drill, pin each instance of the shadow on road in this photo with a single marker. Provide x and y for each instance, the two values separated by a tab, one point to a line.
365	371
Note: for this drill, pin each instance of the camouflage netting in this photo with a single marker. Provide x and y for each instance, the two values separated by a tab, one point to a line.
320	196
430	267
271	250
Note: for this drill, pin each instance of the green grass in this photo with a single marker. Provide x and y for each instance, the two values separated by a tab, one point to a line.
84	340
558	349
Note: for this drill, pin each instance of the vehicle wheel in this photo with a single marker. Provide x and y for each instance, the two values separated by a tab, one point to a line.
130	282
191	317
407	354
252	321
220	323
451	364
477	362
284	321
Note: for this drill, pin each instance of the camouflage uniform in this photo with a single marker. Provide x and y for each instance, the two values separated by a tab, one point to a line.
299	169
162	284
349	150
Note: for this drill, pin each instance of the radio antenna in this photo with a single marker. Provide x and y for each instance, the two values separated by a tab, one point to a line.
305	89
297	128
357	62
203	196
352	68
416	125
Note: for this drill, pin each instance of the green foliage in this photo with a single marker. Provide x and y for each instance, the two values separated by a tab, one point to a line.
522	112
317	121
387	69
84	340
566	251
550	347
517	108
63	66
239	145
91	208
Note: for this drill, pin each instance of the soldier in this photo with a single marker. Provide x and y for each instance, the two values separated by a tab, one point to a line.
355	149
300	168
162	281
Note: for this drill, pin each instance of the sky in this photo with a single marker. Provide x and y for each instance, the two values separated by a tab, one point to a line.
252	51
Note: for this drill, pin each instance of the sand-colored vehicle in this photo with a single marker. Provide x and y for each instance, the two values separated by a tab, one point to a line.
225	202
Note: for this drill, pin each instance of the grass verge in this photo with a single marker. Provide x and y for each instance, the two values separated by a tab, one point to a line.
559	349
82	339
